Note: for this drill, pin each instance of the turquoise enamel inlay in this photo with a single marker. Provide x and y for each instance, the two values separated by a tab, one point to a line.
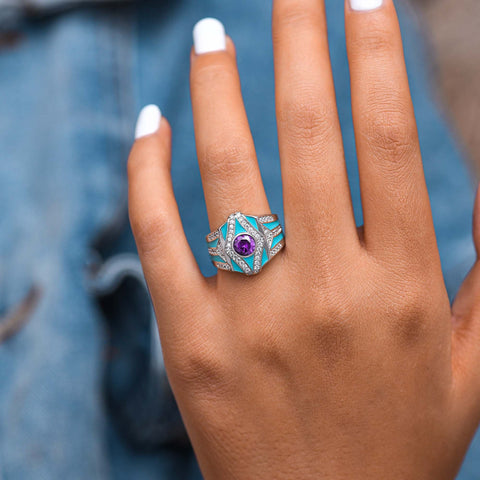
238	228
224	230
277	239
250	260
252	247
264	257
236	268
272	225
253	222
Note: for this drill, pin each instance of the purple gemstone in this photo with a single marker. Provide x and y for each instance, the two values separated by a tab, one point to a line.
244	245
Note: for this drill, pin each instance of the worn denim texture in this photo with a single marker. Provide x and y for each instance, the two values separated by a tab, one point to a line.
82	390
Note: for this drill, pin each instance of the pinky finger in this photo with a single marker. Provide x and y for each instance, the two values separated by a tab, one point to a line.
170	268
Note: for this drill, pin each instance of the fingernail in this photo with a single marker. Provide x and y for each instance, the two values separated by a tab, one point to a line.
476	223
209	36
365	5
148	121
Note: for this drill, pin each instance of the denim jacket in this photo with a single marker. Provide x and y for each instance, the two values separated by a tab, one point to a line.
83	392
12	12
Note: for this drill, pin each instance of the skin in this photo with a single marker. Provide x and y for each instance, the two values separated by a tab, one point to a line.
348	360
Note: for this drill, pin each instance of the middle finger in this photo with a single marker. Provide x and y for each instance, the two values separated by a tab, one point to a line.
316	189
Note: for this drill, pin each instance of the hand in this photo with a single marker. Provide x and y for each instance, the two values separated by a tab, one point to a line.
343	358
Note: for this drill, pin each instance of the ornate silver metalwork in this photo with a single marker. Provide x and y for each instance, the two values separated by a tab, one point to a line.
266	238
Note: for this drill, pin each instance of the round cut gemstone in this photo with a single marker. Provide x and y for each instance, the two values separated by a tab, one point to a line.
244	245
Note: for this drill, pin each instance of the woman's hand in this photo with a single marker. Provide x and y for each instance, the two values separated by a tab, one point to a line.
343	359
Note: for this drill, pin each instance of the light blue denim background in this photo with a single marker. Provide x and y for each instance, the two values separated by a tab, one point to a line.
70	90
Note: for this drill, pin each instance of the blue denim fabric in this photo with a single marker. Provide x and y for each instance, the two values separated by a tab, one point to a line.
81	383
13	12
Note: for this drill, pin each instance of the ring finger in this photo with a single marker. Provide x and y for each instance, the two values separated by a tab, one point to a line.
226	153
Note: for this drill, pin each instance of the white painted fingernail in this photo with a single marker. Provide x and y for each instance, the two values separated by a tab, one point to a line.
209	36
365	5
148	121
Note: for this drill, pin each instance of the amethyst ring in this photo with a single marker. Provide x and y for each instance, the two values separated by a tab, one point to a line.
246	243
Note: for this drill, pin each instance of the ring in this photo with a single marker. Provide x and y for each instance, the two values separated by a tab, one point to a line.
245	243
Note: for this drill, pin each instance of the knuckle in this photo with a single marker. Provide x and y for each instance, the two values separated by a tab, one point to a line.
332	289
267	342
332	296
334	306
373	42
406	312
215	72
332	327
390	133
335	341
294	15
307	119
269	350
138	163
149	230
222	160
201	370
410	302
154	152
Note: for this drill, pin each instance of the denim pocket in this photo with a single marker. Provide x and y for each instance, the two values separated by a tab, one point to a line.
135	386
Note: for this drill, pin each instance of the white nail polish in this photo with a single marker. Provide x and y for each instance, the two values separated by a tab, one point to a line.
365	5
209	36
148	121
